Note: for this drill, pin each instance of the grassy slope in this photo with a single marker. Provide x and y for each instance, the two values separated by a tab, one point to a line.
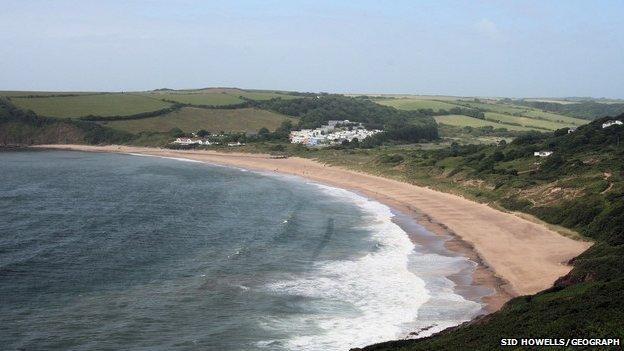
525	111
215	97
495	112
121	104
525	121
214	120
16	93
463	121
199	98
18	127
415	104
555	117
264	95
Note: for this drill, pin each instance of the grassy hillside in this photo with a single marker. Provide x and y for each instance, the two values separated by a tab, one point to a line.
554	117
465	121
415	104
526	121
82	104
121	104
225	109
214	120
18	127
498	113
582	109
9	93
215	96
198	98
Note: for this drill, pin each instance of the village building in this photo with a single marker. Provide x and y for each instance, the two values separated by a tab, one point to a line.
190	141
333	133
542	153
611	123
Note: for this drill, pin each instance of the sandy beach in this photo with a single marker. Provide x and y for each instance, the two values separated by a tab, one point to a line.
515	256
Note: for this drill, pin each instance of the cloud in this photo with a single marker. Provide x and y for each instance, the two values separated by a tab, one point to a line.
489	29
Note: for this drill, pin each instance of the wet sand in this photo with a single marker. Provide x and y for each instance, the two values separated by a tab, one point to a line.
515	256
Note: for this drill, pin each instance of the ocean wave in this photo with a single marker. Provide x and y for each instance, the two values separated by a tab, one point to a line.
359	302
377	297
166	157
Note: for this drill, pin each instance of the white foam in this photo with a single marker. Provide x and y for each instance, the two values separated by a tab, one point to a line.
167	157
372	299
378	289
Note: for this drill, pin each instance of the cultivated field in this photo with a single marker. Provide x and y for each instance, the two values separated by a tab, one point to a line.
198	98
10	93
415	104
117	104
525	121
555	117
497	114
215	96
465	121
214	120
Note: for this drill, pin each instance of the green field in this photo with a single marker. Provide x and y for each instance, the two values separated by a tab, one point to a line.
198	98
500	108
525	121
415	104
264	95
43	93
555	117
214	120
118	104
465	121
526	117
214	96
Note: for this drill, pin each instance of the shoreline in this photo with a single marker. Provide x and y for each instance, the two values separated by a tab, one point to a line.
481	275
514	256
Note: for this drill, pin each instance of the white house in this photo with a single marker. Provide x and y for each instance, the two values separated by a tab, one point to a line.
184	141
189	141
572	130
332	133
238	143
611	123
542	153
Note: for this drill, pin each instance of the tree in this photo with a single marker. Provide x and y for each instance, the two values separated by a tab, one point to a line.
454	149
263	132
176	132
498	156
283	131
203	133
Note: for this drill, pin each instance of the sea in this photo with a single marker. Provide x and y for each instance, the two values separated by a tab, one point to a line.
103	251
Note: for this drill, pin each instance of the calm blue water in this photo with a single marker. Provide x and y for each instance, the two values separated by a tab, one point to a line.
108	251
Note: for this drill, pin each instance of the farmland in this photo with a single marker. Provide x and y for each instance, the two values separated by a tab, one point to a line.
214	96
524	121
465	121
199	98
118	104
10	93
498	114
147	110
214	120
415	104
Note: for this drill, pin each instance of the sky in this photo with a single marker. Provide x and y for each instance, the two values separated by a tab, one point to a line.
462	48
